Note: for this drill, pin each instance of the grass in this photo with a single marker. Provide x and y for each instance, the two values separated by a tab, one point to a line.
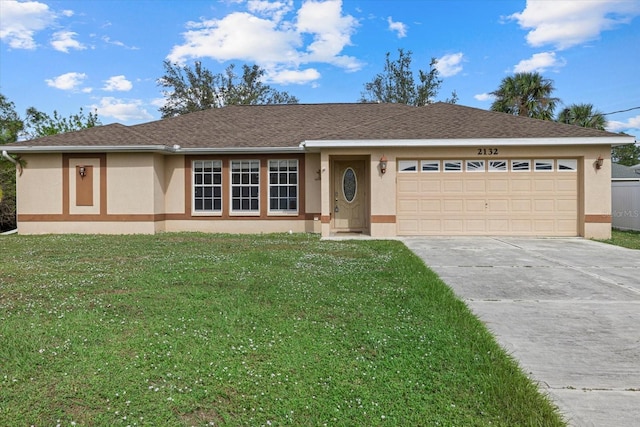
628	239
197	329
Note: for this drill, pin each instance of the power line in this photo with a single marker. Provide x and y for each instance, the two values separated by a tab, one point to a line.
621	111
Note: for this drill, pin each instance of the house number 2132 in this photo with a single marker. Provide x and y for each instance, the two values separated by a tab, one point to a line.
487	151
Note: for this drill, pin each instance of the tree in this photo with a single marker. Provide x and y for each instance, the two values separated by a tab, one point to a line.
628	155
525	94
41	124
10	123
190	89
582	115
10	127
396	84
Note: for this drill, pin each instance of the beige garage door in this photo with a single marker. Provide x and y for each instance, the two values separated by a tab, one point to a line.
525	197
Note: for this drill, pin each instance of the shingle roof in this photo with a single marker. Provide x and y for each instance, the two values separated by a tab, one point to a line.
264	126
621	171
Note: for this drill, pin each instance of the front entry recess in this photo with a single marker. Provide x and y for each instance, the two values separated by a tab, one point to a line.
349	196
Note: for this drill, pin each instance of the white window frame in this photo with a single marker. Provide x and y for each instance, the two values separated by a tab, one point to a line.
278	186
246	170
537	162
456	170
491	168
569	165
404	165
432	163
515	161
477	163
216	171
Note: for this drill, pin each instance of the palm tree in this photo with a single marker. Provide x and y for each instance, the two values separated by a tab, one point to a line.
582	115
525	94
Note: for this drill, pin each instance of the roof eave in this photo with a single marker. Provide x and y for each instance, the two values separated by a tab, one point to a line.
163	149
469	142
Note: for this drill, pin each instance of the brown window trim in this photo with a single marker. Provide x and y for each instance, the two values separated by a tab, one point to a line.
264	188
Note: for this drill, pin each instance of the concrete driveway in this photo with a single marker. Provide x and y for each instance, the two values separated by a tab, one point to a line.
567	309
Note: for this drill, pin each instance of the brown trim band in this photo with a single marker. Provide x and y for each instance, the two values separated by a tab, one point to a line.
325	219
383	219
601	219
145	218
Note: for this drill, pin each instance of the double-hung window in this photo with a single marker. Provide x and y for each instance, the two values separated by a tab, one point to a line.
245	186
283	186
207	186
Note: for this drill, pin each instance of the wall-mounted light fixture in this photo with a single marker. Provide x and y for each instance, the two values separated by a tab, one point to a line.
82	171
383	164
598	163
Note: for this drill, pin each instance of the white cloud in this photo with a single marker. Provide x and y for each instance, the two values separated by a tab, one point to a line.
263	36
539	62
63	41
399	27
19	21
450	65
68	81
123	110
118	43
630	123
484	97
294	76
566	23
117	83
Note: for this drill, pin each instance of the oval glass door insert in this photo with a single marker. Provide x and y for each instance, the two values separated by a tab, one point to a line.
349	185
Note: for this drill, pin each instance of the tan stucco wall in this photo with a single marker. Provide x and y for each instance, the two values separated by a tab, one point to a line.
174	184
312	183
86	227
39	189
131	183
243	226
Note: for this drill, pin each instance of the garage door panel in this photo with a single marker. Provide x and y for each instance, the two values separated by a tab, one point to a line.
453	186
566	185
453	205
521	205
566	205
475	206
408	206
497	185
475	186
430	205
431	186
520	184
543	185
497	205
488	203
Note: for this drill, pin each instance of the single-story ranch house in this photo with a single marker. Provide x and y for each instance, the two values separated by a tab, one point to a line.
382	170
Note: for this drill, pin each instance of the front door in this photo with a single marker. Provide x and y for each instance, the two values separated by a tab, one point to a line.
349	196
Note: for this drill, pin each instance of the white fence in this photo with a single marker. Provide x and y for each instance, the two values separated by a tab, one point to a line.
625	205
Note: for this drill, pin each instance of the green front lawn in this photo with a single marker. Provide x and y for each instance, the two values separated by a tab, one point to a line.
627	239
198	329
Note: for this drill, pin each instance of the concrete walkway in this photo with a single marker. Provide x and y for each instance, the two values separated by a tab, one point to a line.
567	309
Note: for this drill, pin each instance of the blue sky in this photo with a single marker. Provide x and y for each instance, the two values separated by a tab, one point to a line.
108	54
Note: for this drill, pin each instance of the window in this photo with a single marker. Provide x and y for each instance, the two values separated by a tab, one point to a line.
543	165
408	165
430	165
567	165
475	165
245	186
283	186
453	165
207	186
497	165
520	165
